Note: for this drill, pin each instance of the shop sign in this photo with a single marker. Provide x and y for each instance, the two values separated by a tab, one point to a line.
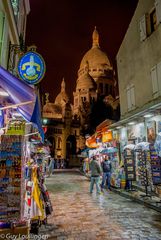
106	137
31	68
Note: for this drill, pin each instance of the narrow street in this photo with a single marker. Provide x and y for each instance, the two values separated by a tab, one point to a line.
81	216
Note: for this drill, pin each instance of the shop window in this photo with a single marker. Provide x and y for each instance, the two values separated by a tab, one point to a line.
130	91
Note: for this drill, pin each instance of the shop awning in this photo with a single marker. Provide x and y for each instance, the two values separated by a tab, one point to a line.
20	92
104	125
91	142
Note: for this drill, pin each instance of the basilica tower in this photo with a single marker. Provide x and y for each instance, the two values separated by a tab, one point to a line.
95	78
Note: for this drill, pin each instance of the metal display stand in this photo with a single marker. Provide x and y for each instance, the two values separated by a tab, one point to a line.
130	171
143	170
12	185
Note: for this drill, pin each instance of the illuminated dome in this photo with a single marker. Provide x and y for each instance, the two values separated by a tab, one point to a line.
85	81
62	98
96	58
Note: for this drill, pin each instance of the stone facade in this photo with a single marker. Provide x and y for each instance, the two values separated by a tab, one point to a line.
139	60
95	77
66	121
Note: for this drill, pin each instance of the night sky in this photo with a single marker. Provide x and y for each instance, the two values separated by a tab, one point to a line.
62	31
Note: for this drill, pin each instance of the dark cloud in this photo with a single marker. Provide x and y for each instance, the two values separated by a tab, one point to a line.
62	31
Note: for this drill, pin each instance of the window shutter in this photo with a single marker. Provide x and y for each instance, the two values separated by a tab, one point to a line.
1	30
4	55
143	30
159	76
132	93
154	80
158	10
128	98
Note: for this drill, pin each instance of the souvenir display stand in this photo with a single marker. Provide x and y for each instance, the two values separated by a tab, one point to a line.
24	199
129	166
12	186
155	165
155	169
144	171
37	202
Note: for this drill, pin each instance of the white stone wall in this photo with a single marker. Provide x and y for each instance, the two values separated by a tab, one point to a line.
136	58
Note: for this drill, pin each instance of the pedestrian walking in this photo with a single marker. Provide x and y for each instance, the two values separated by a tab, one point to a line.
107	168
96	171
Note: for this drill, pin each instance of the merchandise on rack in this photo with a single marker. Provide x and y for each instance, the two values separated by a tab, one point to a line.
129	164
144	174
37	202
155	165
11	180
116	173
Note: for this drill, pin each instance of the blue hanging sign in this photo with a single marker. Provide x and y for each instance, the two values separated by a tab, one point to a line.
31	67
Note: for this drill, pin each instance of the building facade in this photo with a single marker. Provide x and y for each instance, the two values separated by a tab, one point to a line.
139	60
63	129
139	79
65	121
96	77
13	17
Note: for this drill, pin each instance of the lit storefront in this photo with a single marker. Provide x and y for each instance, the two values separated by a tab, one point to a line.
134	147
139	140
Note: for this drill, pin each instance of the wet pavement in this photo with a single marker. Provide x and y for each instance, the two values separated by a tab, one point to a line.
79	215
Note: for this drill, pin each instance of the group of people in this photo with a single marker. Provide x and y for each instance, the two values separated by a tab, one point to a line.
97	169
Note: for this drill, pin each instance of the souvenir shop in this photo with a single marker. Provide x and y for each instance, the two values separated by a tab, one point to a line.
24	199
134	147
108	144
140	148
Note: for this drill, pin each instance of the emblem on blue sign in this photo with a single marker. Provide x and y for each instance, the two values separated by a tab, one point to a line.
31	67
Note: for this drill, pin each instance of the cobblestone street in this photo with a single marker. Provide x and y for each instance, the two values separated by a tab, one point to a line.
81	216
